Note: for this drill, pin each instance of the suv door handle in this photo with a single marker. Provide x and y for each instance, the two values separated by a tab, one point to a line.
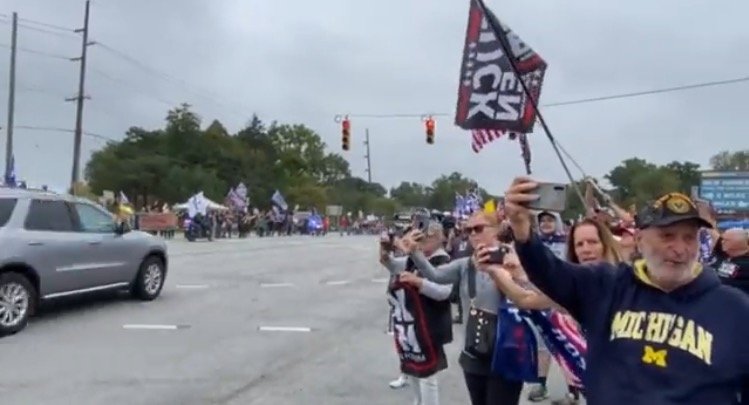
34	243
95	242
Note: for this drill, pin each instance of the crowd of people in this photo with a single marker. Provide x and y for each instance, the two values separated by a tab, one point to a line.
653	306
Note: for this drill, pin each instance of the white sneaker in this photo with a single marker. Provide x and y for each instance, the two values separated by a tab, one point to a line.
401	382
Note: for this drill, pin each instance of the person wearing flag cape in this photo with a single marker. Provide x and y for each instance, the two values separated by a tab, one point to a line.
421	316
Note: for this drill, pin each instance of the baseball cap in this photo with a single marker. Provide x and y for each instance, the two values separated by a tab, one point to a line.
545	214
668	210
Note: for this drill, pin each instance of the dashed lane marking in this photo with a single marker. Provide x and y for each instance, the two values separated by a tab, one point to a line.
337	282
276	285
284	329
154	326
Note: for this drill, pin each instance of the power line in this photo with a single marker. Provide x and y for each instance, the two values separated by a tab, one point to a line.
168	77
70	35
587	100
37	89
66	130
650	92
60	31
129	86
36	52
48	25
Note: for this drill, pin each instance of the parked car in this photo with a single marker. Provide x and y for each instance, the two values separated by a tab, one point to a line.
57	245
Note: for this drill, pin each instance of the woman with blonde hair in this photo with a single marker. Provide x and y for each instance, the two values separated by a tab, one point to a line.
479	291
589	242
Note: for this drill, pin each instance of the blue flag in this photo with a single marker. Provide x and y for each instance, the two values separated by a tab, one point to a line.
278	199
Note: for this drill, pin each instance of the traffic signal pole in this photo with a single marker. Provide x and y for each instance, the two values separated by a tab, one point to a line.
369	160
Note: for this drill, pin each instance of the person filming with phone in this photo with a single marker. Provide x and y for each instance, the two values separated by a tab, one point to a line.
417	305
659	331
480	294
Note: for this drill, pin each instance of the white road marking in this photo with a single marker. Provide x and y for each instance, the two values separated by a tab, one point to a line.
192	286
276	285
150	326
380	280
284	329
338	282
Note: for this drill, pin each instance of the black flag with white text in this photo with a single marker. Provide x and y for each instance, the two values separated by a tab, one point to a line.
418	353
490	96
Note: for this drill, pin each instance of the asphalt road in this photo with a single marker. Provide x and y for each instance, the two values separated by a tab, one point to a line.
204	341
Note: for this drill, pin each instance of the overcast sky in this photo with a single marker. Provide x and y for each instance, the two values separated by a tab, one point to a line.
305	61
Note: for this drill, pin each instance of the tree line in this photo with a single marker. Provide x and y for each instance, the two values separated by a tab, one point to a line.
172	163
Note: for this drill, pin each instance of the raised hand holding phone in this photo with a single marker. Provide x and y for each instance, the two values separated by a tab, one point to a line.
517	197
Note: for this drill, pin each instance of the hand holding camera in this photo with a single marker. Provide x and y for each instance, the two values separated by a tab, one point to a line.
486	256
525	195
410	241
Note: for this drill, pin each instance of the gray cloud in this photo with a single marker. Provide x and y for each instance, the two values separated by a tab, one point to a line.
305	61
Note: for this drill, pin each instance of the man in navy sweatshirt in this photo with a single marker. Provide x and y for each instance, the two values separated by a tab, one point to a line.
661	331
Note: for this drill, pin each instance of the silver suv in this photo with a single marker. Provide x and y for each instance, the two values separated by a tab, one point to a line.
54	245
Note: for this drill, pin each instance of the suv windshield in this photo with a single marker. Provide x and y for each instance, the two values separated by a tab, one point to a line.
6	209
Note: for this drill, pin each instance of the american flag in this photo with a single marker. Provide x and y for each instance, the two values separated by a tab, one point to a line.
482	137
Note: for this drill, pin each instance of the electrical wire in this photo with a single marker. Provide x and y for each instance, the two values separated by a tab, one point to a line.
66	130
36	52
170	78
650	92
618	96
60	34
129	86
47	25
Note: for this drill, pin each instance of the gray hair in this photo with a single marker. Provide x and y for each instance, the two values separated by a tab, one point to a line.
435	229
742	233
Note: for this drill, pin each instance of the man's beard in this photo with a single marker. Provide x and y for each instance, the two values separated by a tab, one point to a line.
673	277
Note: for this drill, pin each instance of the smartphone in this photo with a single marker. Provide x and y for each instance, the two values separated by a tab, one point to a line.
497	255
421	223
551	197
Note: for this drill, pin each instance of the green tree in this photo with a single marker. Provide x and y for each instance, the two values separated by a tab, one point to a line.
174	162
637	181
444	188
729	161
688	174
410	194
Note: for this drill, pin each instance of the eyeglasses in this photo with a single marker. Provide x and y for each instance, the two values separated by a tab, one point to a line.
474	229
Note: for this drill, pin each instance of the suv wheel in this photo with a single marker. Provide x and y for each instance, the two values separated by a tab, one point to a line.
17	298
150	279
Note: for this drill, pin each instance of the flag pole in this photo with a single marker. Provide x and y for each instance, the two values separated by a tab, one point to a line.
510	57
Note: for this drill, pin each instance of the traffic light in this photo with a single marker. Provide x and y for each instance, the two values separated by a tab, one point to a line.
346	134
429	123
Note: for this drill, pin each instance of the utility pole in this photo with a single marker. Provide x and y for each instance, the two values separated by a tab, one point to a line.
79	100
11	99
369	161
